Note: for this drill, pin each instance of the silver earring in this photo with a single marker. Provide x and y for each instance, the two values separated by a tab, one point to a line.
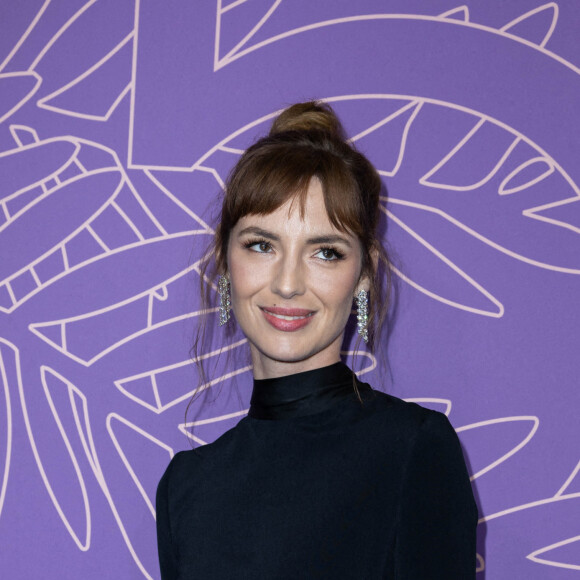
362	314
225	299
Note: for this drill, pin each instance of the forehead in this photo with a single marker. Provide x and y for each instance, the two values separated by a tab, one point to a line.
289	220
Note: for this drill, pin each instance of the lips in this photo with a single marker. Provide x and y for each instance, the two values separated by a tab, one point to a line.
287	319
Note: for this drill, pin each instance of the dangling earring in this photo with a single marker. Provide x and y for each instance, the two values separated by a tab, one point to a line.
225	300
362	314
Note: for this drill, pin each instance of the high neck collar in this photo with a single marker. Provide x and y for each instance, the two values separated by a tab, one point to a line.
303	393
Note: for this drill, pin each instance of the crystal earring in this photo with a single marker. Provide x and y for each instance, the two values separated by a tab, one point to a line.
362	314
225	299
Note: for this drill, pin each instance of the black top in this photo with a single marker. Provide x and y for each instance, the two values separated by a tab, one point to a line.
315	484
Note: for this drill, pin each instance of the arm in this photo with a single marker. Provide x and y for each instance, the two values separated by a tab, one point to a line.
437	513
166	550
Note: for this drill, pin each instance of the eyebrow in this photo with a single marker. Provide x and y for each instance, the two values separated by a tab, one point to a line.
329	239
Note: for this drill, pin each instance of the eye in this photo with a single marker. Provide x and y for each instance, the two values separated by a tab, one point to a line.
259	246
329	254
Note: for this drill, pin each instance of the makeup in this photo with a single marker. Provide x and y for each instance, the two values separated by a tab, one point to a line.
287	319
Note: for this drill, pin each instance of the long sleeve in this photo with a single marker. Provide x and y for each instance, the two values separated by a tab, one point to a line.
165	546
436	531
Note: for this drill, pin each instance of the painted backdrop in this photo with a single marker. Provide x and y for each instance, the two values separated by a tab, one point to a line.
119	120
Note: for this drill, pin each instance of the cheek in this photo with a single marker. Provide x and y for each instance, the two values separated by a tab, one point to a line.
338	291
245	275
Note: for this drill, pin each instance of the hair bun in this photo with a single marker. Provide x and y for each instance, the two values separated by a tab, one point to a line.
309	116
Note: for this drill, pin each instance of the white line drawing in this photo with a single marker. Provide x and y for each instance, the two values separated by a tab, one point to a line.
115	167
179	203
459	13
568	481
215	174
332	22
497	310
416	107
60	32
26	34
231	5
492	313
82	545
184	427
223	61
6	391
44	103
425	180
155	288
120	524
26	77
232	150
23	135
504	188
372	360
85	434
63	346
62	242
12	157
98	239
550	6
72	391
126	462
534	556
493	244
529	418
130	164
152	375
98	472
528	505
437	401
160	292
534	213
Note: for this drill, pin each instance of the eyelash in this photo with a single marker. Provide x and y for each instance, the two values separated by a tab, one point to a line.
337	254
248	245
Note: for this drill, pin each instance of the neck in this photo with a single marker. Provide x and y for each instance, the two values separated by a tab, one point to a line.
304	393
268	368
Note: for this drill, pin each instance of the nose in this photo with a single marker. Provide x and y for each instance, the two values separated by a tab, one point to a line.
288	278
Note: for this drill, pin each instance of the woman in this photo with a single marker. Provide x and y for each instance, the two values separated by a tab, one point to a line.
326	477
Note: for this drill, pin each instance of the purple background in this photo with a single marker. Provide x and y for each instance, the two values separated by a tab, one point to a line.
118	124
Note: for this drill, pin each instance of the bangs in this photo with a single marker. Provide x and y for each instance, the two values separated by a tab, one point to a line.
266	182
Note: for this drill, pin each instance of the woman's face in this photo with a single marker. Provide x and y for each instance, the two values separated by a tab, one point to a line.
292	283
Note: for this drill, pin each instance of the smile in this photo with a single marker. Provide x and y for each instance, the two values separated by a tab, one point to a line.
287	319
282	317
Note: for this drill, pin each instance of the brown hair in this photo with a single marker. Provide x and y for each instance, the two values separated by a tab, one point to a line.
306	140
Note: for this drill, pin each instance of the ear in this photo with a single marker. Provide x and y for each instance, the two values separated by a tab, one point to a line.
221	262
364	282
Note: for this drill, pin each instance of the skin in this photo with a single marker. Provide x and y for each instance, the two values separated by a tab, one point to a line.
282	265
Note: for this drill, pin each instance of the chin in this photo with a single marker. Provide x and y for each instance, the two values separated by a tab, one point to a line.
288	356
294	352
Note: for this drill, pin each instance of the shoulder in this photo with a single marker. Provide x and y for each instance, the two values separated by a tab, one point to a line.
179	477
407	426
177	464
190	461
406	417
428	445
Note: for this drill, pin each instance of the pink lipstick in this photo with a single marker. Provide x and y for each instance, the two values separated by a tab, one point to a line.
287	319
